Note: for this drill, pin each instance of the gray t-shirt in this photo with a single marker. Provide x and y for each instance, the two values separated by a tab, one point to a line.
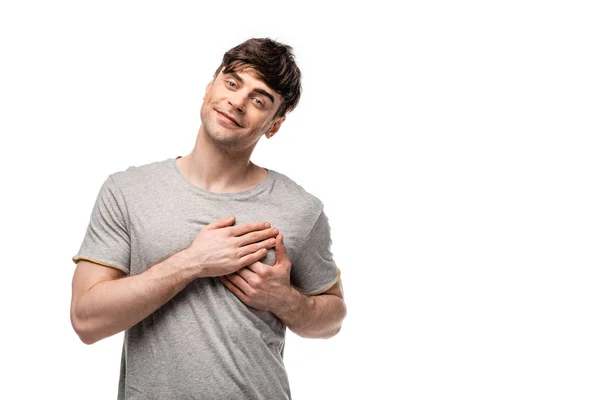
204	343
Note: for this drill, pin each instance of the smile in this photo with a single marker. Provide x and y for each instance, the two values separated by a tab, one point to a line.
228	120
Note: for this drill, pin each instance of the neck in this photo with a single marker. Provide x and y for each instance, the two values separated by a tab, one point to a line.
219	169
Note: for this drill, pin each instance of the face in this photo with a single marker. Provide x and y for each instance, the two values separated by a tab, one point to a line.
238	109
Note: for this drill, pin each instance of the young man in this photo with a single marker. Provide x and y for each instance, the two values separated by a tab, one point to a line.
187	255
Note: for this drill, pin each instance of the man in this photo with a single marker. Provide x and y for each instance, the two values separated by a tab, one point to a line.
187	255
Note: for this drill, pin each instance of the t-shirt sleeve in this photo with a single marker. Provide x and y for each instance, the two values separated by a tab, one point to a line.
106	241
314	270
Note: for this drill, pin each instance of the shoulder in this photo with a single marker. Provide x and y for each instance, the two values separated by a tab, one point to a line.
141	176
296	198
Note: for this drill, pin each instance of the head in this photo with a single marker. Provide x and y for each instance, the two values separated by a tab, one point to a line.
256	85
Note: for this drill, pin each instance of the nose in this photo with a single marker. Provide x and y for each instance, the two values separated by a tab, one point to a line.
236	99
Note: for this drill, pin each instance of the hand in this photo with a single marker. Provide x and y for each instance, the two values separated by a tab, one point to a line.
263	286
221	249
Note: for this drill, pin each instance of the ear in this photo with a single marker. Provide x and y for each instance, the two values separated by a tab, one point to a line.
275	127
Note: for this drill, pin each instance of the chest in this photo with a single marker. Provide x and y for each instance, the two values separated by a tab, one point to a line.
162	228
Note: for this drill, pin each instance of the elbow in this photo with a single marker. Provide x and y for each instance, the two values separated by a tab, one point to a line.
321	334
328	332
86	339
333	332
81	328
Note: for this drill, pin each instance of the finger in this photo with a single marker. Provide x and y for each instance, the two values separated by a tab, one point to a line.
248	275
254	247
220	223
258	268
252	257
240	283
280	250
233	289
257	236
242	229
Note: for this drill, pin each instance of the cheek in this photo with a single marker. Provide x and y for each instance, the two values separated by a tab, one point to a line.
204	111
262	121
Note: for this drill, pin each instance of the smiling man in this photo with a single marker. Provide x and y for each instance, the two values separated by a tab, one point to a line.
187	255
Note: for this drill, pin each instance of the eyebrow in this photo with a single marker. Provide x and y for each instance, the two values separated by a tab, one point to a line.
261	91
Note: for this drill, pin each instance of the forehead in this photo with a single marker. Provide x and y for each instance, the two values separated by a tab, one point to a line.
249	75
246	72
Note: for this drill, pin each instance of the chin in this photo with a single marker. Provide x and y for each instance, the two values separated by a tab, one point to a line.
221	137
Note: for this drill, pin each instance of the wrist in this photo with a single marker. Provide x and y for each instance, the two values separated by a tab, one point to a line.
184	260
292	306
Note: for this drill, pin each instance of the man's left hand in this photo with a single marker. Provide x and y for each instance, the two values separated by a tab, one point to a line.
263	286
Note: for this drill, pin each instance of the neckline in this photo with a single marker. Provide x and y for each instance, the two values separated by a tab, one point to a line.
255	190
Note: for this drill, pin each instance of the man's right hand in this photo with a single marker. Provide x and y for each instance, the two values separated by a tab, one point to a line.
221	249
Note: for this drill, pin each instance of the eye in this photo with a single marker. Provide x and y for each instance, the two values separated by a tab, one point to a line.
231	84
258	102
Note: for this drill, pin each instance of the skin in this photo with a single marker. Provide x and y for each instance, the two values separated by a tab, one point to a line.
220	161
268	288
106	301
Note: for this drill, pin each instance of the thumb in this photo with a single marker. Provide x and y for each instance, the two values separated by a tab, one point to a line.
280	250
220	223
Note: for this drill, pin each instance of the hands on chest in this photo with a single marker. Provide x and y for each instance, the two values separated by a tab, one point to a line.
232	254
263	286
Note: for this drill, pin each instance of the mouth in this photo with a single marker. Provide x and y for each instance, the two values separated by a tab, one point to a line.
229	118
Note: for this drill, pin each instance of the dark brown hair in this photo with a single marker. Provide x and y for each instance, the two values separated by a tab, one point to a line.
274	64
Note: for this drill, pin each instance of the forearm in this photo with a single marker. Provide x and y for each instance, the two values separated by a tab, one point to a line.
318	316
112	306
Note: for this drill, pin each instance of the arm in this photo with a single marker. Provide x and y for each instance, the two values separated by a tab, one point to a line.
105	301
268	288
317	316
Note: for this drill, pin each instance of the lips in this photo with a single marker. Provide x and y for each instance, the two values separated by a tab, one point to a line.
229	117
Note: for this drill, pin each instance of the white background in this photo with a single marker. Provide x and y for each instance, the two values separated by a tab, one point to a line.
454	145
